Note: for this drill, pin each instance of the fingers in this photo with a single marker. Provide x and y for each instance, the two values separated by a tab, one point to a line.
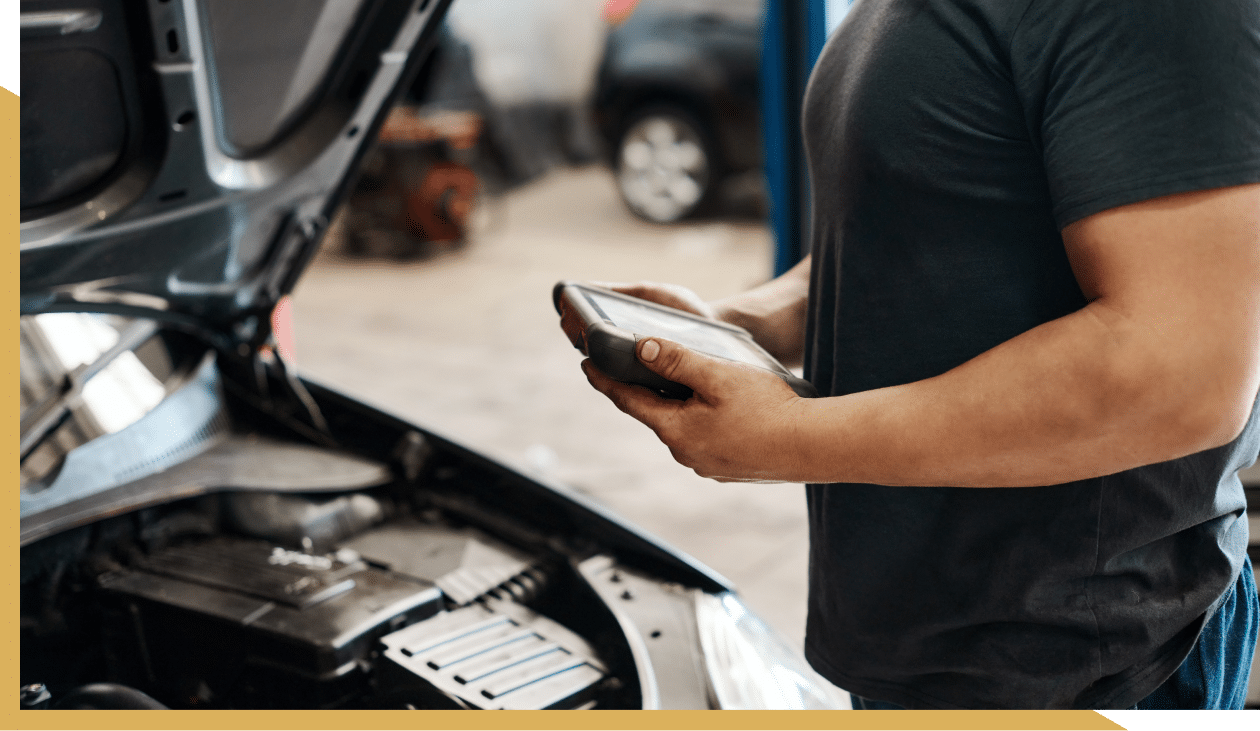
723	431
637	401
702	374
670	295
571	323
642	290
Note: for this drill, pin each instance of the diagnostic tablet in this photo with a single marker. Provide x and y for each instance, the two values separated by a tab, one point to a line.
606	326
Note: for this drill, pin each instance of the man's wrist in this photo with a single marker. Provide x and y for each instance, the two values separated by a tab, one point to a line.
794	442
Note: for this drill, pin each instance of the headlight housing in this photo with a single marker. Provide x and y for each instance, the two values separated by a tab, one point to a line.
750	666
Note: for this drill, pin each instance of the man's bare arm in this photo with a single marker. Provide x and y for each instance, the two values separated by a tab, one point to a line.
1164	361
774	313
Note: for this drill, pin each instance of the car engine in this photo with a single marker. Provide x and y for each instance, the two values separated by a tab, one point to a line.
264	600
214	533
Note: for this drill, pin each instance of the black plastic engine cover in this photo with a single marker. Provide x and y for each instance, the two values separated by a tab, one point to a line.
212	615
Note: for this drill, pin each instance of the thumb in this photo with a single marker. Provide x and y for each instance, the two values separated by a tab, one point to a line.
678	364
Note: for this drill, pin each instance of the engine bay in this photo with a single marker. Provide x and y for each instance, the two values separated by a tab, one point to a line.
247	540
333	601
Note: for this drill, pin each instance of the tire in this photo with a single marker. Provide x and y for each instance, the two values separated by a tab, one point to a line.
665	166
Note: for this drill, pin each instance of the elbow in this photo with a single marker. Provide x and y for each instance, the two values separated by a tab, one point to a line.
1207	417
1229	416
1176	407
1227	391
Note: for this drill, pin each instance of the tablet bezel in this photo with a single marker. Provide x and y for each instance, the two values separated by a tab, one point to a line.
605	334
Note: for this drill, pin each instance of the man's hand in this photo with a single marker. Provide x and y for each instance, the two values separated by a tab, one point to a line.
774	313
1163	362
670	295
738	425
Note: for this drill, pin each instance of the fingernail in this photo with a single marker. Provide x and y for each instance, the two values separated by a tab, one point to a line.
650	350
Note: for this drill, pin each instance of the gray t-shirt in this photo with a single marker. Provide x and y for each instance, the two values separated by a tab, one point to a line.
949	142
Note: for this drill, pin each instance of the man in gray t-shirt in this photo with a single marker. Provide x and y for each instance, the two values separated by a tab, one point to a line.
1032	307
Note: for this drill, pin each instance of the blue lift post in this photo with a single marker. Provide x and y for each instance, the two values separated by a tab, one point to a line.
792	38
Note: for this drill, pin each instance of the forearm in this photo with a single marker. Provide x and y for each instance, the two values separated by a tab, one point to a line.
774	312
1163	362
1089	394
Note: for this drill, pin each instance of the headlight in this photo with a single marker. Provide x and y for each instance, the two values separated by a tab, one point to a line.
751	667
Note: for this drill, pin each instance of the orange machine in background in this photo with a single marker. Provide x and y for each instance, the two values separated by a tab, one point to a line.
415	190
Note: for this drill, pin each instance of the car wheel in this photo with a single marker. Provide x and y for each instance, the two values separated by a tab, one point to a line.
665	168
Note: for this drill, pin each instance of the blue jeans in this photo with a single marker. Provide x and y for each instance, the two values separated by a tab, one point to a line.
1214	675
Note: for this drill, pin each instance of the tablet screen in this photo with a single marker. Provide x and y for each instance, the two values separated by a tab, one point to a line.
644	320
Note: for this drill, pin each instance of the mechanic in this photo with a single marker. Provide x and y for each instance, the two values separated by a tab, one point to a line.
1032	308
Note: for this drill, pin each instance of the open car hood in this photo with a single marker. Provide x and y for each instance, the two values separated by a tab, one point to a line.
180	162
181	158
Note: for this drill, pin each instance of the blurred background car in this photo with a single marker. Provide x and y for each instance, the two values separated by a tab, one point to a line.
676	102
495	106
666	93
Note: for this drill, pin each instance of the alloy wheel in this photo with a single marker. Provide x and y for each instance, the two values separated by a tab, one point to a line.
663	169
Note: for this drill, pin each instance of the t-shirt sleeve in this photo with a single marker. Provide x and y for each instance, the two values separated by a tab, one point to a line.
1134	99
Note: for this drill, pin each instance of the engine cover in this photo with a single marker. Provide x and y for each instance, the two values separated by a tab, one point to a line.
493	654
201	611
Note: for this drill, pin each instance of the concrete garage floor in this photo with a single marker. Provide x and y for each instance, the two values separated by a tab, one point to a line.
468	344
